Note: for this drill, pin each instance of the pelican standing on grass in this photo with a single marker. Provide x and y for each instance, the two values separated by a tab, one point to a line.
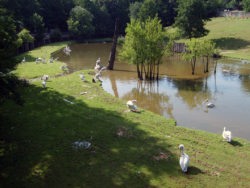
184	159
132	105
82	76
227	135
23	61
44	84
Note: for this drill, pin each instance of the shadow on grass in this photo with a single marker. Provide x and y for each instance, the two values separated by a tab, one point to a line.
229	43
192	170
36	145
236	143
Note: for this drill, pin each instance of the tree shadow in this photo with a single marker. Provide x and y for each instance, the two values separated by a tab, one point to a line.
37	139
236	143
230	43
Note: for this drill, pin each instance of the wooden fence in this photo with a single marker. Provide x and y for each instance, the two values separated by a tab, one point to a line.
179	48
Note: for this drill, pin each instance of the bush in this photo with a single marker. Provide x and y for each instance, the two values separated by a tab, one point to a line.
56	35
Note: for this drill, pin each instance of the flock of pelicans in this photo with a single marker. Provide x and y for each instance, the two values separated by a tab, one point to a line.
131	104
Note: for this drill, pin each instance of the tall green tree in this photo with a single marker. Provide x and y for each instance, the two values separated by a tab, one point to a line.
144	46
191	18
80	23
37	26
193	47
149	8
246	5
134	9
118	10
207	49
8	45
56	13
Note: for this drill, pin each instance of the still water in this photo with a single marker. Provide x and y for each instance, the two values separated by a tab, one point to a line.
178	94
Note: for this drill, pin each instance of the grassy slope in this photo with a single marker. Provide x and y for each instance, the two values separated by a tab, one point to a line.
32	70
36	143
232	36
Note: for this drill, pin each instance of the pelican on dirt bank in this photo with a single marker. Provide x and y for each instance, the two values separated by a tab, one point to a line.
227	135
184	159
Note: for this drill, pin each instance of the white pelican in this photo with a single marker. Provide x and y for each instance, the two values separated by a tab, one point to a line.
184	159
209	104
64	67
227	135
98	76
131	104
244	61
44	84
23	61
45	77
226	71
51	60
82	76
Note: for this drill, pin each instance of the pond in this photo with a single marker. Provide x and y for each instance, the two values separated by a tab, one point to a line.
178	94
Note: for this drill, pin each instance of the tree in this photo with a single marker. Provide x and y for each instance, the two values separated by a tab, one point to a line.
134	9
193	48
207	49
80	23
8	45
149	8
246	5
191	18
144	46
25	37
37	26
56	13
118	10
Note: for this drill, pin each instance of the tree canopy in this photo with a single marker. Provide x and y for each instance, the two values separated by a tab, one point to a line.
80	23
144	46
191	18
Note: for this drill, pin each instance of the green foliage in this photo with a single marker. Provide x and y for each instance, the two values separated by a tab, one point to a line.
38	26
197	48
25	36
8	45
56	13
148	9
144	46
134	9
246	5
80	23
191	18
8	41
56	35
193	48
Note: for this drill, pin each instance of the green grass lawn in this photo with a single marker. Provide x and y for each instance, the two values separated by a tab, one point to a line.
127	149
32	70
231	35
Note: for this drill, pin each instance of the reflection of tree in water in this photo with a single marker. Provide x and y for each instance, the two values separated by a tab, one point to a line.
192	92
245	82
148	97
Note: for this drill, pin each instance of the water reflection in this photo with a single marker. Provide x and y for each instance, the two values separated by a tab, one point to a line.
149	97
192	92
178	94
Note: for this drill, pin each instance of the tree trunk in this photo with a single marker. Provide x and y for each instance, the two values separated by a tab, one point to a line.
207	64
113	50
